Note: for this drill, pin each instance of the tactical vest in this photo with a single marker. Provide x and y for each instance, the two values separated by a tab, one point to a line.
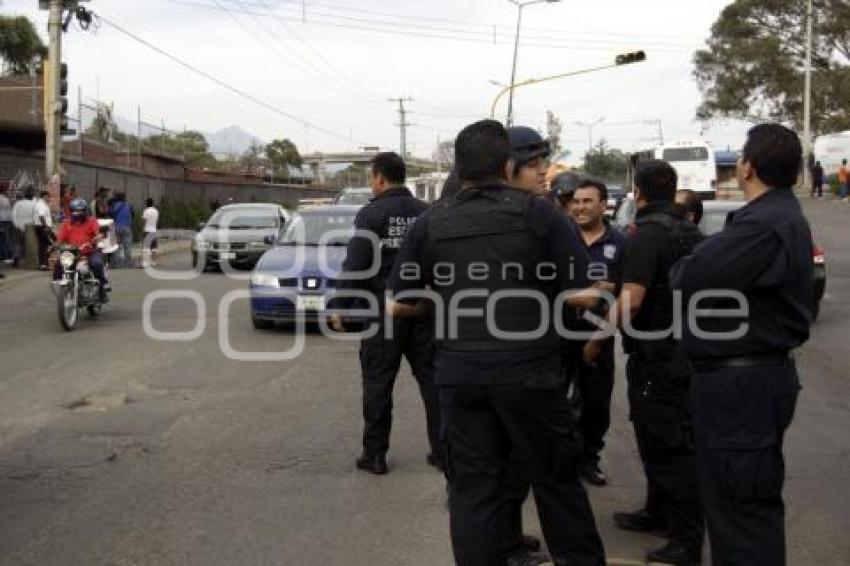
489	227
683	237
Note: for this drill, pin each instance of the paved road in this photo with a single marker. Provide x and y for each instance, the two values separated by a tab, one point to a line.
118	449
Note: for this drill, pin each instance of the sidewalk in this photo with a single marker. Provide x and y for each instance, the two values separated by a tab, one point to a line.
14	274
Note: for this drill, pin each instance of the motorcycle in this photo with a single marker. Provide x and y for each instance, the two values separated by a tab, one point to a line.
78	288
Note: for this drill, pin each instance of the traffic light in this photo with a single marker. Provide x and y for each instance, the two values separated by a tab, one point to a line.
631	57
63	101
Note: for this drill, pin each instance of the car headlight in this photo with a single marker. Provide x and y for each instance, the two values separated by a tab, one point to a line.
66	259
264	280
202	245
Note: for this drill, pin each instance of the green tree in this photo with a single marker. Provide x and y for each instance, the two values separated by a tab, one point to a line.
754	63
283	154
606	163
252	161
190	144
20	45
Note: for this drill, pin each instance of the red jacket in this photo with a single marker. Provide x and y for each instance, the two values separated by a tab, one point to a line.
79	233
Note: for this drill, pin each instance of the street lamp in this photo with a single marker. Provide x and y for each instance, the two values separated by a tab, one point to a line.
590	126
520	6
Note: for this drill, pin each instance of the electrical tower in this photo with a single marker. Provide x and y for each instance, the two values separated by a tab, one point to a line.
403	124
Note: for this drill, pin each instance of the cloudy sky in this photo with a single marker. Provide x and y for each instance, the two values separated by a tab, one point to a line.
325	68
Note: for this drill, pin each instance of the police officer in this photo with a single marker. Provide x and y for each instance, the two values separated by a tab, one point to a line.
389	215
745	388
595	382
562	188
501	396
657	372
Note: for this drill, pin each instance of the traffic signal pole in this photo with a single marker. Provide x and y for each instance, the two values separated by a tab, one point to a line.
52	120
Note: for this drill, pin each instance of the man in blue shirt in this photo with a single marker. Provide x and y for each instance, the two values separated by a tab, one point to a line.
122	214
595	382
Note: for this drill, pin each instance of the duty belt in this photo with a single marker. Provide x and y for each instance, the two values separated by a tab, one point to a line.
748	360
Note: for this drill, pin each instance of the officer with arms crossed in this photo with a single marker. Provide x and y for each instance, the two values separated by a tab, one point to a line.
745	389
657	372
501	397
389	215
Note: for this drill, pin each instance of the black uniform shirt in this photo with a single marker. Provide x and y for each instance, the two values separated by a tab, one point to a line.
564	250
607	251
388	216
764	253
646	261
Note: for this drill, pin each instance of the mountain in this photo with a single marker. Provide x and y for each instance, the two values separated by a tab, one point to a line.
233	140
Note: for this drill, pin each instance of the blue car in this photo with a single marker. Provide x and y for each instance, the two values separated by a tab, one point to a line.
291	282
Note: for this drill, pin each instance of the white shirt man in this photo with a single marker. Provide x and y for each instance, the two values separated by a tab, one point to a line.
42	211
23	213
151	218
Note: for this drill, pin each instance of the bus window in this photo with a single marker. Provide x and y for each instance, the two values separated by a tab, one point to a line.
685	154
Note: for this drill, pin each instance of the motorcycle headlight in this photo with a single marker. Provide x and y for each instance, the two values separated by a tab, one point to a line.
83	268
202	245
66	259
264	280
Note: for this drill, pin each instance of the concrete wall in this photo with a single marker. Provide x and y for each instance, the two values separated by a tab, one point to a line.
138	187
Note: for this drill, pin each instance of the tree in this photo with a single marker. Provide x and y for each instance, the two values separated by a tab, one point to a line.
190	144
553	132
283	154
103	127
754	63
20	45
252	161
606	163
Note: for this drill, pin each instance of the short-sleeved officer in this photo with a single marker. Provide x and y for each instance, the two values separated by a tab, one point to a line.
746	385
595	382
389	215
657	373
501	396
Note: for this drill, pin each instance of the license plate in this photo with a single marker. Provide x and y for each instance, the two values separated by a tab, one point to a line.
310	303
227	255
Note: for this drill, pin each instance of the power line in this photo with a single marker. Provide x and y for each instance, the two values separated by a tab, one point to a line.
237	91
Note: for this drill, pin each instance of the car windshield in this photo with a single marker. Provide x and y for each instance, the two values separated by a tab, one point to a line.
357	196
244	219
309	229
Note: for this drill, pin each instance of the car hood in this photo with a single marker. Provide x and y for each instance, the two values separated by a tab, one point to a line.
236	236
284	261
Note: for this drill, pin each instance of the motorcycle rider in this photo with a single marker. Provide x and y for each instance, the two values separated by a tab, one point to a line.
83	231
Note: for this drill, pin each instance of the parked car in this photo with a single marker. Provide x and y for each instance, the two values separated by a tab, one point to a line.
715	213
354	195
616	194
239	234
290	281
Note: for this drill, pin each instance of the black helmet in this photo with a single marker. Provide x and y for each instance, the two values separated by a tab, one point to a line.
78	208
564	184
527	144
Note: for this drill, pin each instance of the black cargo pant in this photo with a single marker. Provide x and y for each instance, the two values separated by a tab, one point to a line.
594	386
740	418
45	240
380	360
487	426
660	411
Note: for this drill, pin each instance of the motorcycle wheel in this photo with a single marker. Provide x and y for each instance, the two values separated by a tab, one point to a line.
66	302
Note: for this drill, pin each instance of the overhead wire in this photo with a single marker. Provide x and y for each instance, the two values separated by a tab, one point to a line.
235	90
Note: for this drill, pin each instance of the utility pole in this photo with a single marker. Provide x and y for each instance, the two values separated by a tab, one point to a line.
807	100
403	124
51	119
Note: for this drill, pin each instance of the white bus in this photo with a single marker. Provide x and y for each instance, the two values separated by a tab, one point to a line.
693	161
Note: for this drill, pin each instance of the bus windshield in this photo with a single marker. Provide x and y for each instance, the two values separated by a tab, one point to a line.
674	154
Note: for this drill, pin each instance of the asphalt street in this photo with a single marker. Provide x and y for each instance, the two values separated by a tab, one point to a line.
118	449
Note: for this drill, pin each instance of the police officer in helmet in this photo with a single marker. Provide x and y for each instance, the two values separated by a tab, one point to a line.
501	395
562	188
746	385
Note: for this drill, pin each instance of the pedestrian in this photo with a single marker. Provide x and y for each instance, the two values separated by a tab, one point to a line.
657	372
688	206
595	382
101	203
843	180
6	226
150	242
746	386
122	214
501	398
23	215
43	222
388	216
817	180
